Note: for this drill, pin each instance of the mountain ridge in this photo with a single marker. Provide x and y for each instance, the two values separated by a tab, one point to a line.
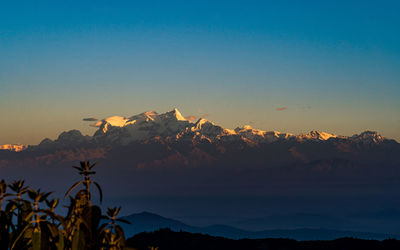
149	222
172	126
150	140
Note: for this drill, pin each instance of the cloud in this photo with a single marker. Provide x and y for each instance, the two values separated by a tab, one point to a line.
90	119
194	118
96	125
281	108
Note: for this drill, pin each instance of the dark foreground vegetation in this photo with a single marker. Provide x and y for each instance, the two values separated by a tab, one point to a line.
28	219
166	239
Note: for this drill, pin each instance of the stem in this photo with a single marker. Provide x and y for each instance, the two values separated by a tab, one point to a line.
87	184
36	220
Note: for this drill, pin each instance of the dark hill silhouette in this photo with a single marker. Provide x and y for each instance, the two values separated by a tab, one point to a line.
166	239
149	222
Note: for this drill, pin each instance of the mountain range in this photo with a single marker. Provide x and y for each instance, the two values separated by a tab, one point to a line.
172	127
168	151
174	140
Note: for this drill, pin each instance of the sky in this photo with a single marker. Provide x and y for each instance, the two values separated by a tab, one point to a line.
291	66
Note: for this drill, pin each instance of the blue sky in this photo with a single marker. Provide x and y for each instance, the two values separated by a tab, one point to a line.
334	65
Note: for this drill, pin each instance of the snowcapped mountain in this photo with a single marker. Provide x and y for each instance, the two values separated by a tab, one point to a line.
172	127
147	125
169	138
368	137
150	143
13	147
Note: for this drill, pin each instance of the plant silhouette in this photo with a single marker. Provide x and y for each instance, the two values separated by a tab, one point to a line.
86	170
28	218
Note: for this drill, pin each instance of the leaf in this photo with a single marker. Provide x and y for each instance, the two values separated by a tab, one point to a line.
19	236
100	192
32	194
53	229
29	216
78	168
94	164
117	211
103	227
71	188
44	196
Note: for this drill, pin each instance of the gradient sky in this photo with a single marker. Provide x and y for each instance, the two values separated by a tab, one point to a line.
326	65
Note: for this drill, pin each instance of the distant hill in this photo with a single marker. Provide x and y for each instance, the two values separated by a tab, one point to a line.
169	240
149	222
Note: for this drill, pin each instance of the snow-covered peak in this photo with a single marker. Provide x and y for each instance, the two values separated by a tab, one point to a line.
173	114
368	137
257	135
249	129
117	121
143	126
201	123
13	147
317	135
146	116
279	135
